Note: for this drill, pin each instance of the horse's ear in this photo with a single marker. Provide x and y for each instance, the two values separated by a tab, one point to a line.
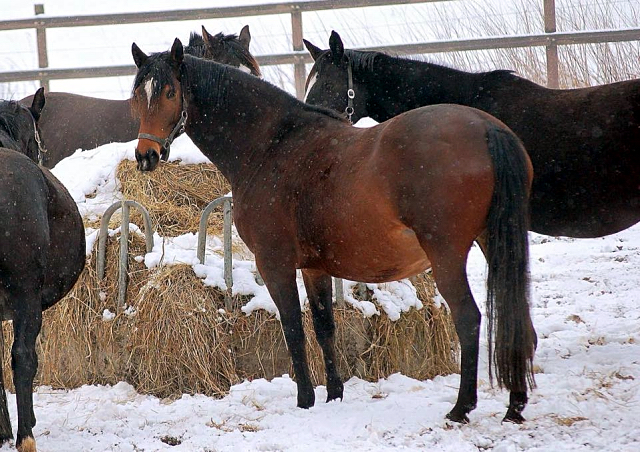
337	47
177	52
245	37
210	41
38	104
139	57
313	50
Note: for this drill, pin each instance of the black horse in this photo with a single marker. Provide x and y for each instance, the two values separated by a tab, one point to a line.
42	252
584	143
374	205
71	121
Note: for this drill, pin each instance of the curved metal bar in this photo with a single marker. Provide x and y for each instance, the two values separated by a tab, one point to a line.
123	266
338	285
226	202
202	228
148	230
124	242
102	237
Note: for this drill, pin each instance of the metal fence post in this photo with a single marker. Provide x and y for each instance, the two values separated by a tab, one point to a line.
552	49
41	40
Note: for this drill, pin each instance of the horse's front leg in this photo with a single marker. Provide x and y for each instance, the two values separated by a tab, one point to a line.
318	285
281	283
24	362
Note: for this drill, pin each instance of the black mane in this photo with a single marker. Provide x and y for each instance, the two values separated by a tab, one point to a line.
207	80
210	77
364	60
196	46
361	59
231	44
10	124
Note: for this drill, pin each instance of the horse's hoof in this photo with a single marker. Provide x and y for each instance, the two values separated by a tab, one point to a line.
335	391
306	400
305	405
513	416
461	418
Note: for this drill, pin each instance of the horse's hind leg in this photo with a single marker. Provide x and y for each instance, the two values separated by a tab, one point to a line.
318	286
24	361
449	272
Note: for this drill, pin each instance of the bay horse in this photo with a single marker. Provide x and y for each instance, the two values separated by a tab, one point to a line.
71	121
584	143
311	192
42	253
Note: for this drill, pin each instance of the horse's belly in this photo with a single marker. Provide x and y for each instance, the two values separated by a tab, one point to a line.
371	256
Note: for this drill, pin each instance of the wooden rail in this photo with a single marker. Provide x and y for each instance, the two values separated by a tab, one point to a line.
550	39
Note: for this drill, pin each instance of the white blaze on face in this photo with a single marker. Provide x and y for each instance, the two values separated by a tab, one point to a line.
310	85
148	89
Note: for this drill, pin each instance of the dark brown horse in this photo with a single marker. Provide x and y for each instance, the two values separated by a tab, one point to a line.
42	253
71	121
380	204
584	143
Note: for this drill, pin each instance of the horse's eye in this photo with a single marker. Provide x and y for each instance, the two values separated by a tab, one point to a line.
171	94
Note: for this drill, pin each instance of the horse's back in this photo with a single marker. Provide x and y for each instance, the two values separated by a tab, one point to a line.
71	121
423	173
584	145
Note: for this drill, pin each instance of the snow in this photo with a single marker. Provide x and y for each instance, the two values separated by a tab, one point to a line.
585	308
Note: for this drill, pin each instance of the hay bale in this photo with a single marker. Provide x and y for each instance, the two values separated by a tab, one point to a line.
177	339
180	342
174	196
421	344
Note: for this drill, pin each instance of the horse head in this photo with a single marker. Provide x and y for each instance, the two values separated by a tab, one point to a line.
158	102
231	50
333	82
19	126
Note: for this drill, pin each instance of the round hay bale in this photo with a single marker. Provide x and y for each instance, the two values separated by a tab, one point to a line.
174	196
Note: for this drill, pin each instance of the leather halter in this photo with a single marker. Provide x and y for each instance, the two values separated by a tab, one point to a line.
36	135
178	129
350	93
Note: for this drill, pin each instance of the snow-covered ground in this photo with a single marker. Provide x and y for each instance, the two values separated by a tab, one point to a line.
585	309
583	294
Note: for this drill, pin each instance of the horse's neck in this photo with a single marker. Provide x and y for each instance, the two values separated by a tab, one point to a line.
401	85
252	125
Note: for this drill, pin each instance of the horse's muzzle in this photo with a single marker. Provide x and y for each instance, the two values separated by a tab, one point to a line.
147	161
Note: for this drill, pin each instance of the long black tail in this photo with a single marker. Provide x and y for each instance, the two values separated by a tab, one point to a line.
509	323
